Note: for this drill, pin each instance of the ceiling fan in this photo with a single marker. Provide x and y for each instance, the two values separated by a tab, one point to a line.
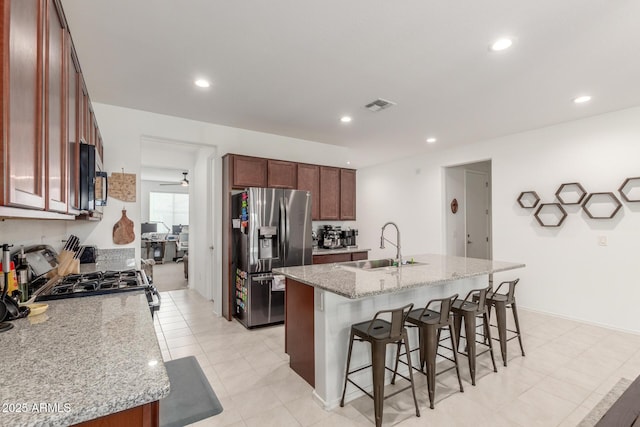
184	182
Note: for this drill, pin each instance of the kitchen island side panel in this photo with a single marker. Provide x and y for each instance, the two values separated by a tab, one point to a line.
299	329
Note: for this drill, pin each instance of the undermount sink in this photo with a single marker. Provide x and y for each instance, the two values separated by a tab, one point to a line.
372	264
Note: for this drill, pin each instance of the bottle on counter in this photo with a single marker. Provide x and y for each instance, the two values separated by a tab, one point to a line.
23	273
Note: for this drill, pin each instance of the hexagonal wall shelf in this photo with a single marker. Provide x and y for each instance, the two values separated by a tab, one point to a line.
630	189
601	205
550	215
571	193
528	199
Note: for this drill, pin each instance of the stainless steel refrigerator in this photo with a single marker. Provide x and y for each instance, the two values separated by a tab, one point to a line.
271	228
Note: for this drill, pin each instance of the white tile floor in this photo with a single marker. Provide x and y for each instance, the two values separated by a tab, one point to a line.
568	368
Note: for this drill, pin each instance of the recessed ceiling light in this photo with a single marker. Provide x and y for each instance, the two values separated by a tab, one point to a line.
431	140
581	99
501	44
348	162
345	119
202	83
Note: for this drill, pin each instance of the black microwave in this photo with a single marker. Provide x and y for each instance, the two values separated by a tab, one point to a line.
93	183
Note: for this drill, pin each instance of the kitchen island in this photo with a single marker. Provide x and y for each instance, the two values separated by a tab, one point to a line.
93	358
323	301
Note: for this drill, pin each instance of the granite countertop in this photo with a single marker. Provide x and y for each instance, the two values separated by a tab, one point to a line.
81	359
323	251
431	269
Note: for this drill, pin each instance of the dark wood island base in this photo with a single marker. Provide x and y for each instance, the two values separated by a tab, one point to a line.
299	329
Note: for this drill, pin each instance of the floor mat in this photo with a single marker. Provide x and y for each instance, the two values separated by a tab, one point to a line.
191	398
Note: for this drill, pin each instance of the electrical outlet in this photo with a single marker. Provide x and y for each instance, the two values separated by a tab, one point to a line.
602	240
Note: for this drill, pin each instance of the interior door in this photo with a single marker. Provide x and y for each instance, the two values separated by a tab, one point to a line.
476	186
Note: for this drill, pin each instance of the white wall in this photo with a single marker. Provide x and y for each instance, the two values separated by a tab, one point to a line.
567	272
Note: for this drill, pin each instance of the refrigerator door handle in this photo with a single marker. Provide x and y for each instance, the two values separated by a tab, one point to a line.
283	240
287	229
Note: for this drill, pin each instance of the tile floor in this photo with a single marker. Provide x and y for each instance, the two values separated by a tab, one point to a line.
568	368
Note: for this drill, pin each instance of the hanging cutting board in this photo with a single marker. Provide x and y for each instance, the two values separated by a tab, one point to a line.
123	230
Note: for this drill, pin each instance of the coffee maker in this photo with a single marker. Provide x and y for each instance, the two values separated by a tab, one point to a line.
349	238
330	237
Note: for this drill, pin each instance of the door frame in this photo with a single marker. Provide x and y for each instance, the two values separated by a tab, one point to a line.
454	188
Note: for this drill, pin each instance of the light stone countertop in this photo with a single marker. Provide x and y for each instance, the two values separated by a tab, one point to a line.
323	251
431	269
84	357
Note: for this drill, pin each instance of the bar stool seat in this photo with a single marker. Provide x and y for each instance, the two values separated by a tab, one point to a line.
474	305
379	332
430	324
501	302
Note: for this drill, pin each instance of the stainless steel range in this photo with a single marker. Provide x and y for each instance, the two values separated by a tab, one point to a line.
101	283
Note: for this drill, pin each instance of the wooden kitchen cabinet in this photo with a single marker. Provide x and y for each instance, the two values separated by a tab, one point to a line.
342	257
147	415
21	118
74	101
56	168
44	107
281	174
309	180
329	193
347	194
248	172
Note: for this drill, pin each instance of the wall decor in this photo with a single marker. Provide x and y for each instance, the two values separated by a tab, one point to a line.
630	189
454	205
550	215
528	199
571	193
601	205
122	186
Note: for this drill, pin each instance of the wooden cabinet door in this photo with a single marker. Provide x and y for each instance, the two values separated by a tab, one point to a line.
249	172
83	113
309	180
55	102
328	259
329	193
359	256
74	100
281	174
21	75
347	194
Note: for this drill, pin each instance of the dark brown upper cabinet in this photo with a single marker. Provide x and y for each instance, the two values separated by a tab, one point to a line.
309	180
74	102
21	118
55	129
281	174
347	194
329	193
249	172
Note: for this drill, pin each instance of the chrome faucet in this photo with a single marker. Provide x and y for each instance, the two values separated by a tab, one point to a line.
397	244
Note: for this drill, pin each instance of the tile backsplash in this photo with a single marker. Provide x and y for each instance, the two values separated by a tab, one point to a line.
115	259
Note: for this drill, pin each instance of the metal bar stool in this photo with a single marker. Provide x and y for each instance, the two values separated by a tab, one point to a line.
501	302
431	323
474	305
379	333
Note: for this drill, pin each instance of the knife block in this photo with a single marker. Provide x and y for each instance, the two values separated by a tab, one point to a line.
67	264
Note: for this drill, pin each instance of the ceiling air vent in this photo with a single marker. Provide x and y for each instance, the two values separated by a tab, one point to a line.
379	104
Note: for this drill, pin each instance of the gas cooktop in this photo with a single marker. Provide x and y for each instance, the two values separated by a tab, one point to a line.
100	283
